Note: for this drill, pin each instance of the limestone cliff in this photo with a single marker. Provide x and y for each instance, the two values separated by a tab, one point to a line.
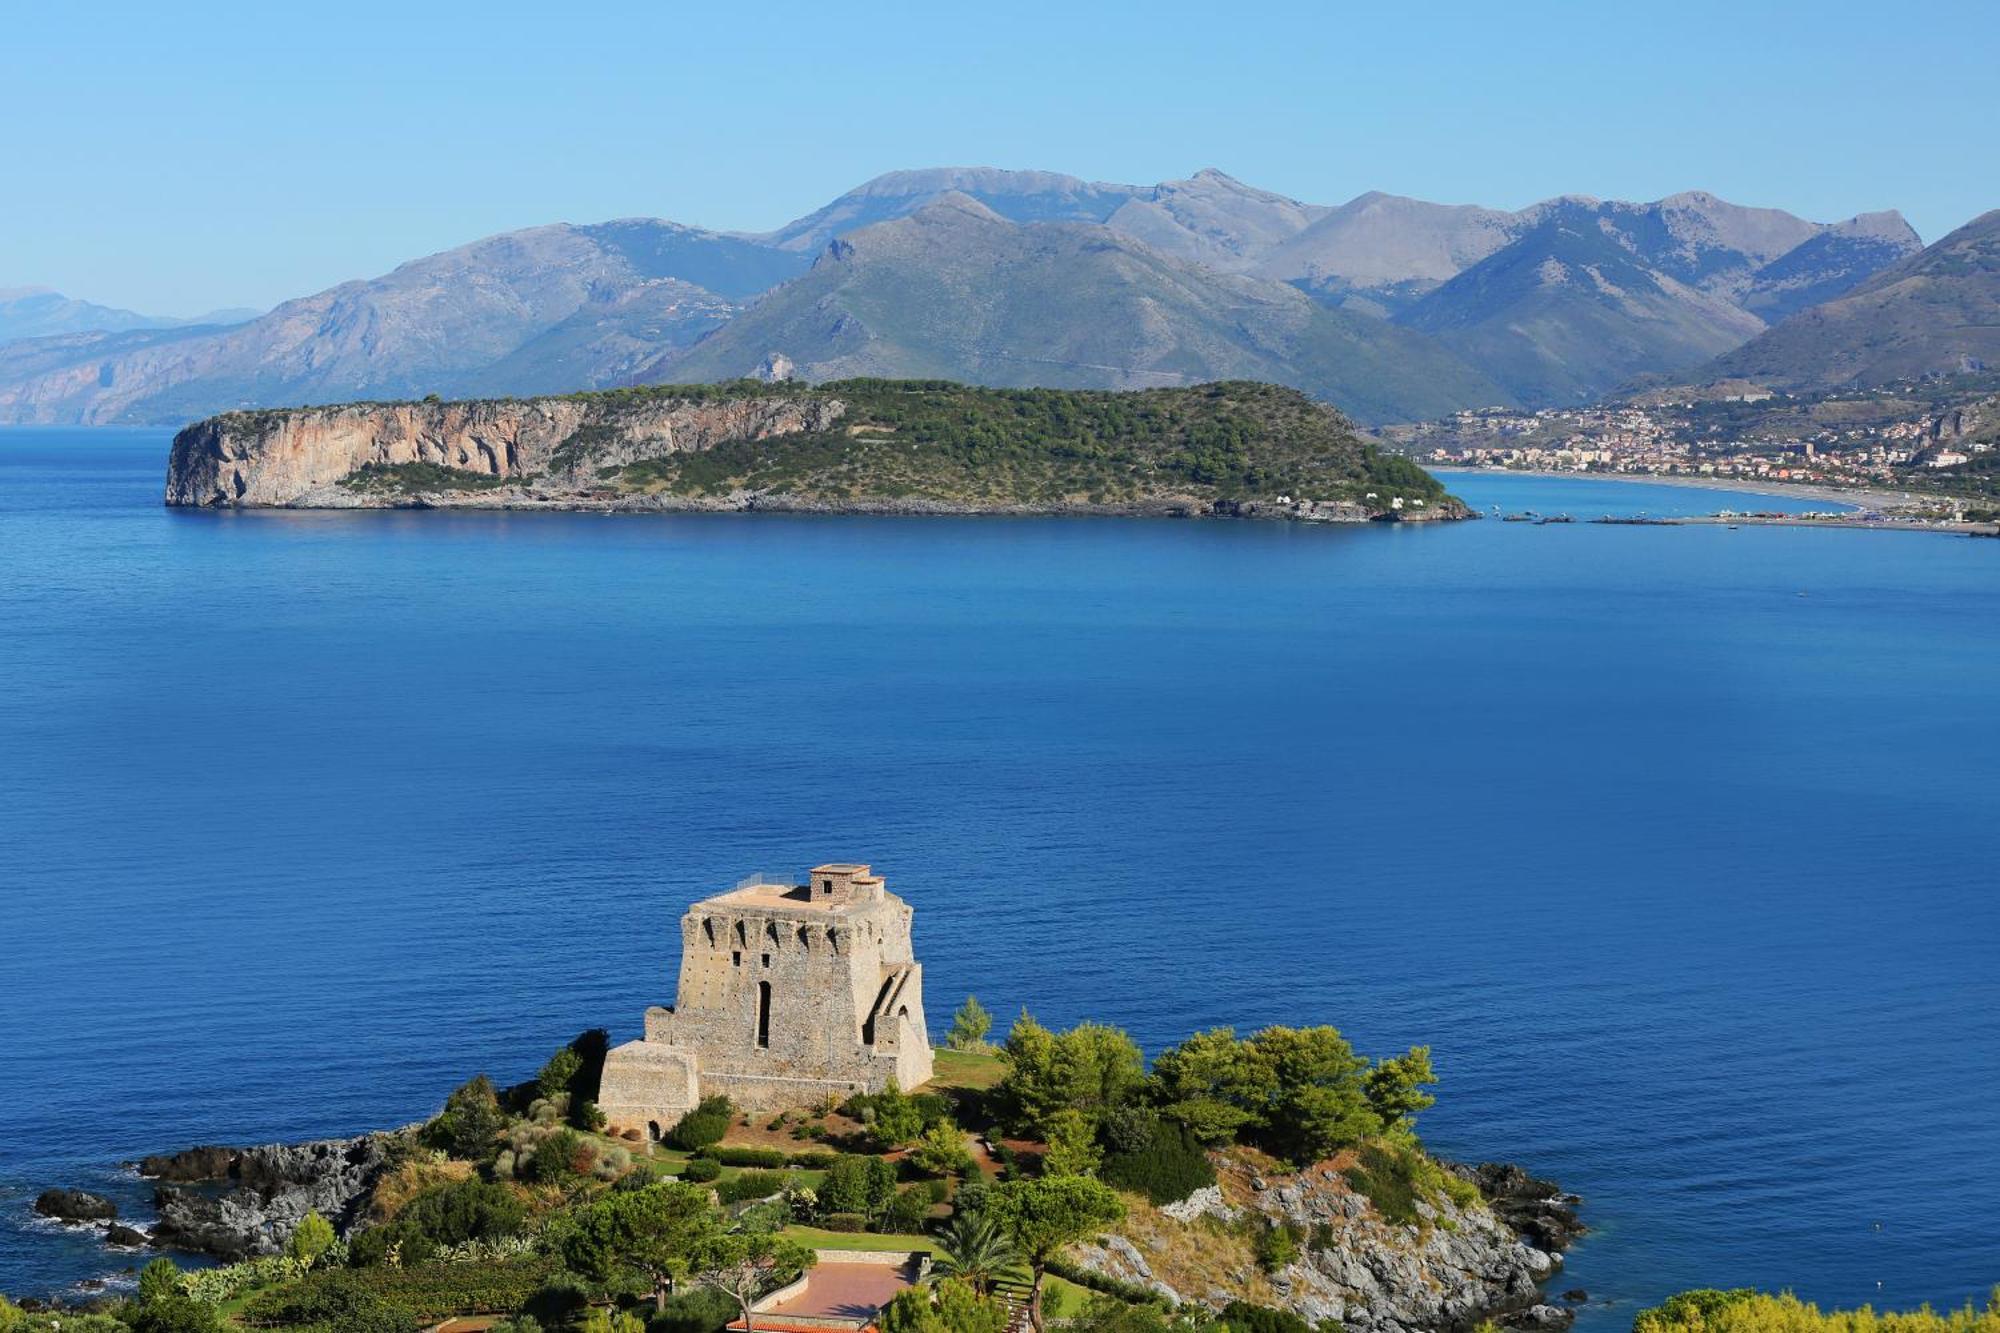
276	458
1455	1266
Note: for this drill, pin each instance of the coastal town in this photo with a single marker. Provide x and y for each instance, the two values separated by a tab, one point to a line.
1935	448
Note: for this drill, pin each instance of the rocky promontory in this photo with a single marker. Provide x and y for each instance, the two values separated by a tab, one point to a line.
235	1203
1237	450
1453	1264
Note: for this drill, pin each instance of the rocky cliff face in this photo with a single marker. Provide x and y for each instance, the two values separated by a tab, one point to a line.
1455	1267
283	458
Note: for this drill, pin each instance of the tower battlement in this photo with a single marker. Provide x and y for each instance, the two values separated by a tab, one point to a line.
787	993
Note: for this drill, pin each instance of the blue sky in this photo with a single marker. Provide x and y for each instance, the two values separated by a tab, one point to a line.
179	157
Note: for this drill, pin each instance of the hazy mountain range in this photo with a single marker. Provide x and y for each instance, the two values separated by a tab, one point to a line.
1392	308
39	312
1934	313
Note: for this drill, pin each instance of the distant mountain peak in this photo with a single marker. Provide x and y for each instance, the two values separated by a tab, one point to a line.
1218	184
928	180
1887	225
956	203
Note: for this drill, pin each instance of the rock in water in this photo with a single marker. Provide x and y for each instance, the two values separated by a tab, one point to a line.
193	1164
275	1186
75	1206
1538	1209
124	1237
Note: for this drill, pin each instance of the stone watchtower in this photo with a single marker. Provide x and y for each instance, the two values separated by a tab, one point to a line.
787	993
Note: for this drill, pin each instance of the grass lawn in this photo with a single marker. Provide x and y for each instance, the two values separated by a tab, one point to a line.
1063	1299
975	1070
821	1239
233	1307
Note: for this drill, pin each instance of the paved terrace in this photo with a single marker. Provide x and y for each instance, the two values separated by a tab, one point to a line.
837	1292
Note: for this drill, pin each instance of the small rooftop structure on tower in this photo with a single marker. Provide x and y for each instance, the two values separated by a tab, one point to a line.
788	992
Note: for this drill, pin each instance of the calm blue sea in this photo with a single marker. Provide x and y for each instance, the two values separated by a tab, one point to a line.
1676	844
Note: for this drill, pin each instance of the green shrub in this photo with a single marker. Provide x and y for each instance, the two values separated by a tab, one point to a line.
1277	1246
469	1124
857	1184
893	1119
1128	1129
703	1310
701	1170
158	1280
559	1157
311	1240
815	1159
843	1222
750	1185
941	1150
557	1075
1395	1176
1169	1166
465	1210
1108	1314
559	1301
765	1157
1243	1317
907	1212
969	1026
704	1126
174	1314
393	1244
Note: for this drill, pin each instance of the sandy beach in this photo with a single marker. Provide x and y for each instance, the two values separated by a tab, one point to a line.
1852	497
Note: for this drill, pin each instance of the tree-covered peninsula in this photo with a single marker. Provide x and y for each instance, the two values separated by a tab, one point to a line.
1236	448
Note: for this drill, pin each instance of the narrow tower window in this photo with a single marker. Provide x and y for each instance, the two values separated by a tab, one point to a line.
764	1013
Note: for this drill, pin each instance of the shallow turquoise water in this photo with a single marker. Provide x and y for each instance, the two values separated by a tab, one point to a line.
1586	497
1685	875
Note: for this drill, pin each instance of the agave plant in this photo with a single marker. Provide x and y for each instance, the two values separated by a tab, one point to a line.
975	1249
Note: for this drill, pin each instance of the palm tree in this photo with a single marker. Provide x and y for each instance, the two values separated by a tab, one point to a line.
975	1249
